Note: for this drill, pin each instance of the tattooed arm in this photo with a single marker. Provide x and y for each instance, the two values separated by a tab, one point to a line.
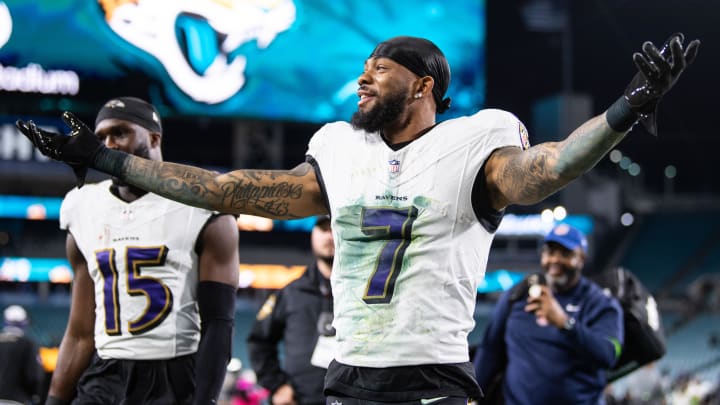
525	177
279	194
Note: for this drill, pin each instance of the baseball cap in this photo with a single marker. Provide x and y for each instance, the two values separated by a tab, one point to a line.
131	109
567	236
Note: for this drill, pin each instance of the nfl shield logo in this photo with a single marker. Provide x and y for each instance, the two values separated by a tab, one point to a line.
394	165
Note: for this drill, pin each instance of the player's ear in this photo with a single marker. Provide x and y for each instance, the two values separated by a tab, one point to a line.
155	139
424	85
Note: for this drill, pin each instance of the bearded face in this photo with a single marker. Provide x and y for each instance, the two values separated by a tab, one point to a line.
387	109
561	282
561	266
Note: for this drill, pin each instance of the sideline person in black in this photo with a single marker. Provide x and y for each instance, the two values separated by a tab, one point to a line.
299	315
20	370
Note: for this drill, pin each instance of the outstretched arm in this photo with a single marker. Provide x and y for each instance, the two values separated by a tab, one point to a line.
526	177
281	194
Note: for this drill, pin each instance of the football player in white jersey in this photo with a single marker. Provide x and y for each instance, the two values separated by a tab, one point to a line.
414	206
154	287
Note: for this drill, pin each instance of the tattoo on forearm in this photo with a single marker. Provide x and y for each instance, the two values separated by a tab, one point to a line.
584	148
271	199
179	183
251	191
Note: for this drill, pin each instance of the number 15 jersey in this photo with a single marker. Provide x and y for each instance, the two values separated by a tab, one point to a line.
142	260
410	251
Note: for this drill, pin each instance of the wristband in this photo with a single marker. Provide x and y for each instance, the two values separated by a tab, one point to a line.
620	117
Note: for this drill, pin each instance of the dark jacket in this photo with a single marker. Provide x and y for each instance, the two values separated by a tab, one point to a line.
291	315
547	365
20	371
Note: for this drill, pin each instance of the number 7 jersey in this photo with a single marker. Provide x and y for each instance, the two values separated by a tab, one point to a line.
142	260
410	251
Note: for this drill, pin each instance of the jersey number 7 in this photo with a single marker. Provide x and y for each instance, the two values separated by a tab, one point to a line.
394	226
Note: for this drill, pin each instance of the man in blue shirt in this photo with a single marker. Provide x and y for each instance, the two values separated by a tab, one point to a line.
554	335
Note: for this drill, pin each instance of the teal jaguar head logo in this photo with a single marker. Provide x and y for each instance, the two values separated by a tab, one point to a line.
196	41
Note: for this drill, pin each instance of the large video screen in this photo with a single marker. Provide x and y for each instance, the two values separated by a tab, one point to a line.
295	60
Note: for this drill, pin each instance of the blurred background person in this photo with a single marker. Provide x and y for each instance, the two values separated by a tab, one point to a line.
299	315
21	373
554	335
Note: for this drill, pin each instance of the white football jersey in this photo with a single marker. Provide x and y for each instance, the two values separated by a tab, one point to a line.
141	257
410	251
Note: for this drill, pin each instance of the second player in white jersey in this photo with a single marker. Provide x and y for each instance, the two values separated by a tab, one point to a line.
141	257
410	249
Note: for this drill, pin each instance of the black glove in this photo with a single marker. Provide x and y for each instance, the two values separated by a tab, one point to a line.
78	149
658	72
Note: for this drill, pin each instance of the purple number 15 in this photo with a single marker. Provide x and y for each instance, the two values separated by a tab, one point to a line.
393	225
158	295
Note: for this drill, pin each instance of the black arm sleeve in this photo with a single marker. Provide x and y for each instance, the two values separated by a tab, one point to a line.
216	302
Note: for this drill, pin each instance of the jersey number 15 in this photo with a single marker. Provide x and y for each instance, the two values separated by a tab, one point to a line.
158	295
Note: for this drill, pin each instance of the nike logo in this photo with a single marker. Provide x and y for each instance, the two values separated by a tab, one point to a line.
430	400
572	308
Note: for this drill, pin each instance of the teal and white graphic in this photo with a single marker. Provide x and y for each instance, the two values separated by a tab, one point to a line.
269	59
194	40
5	24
